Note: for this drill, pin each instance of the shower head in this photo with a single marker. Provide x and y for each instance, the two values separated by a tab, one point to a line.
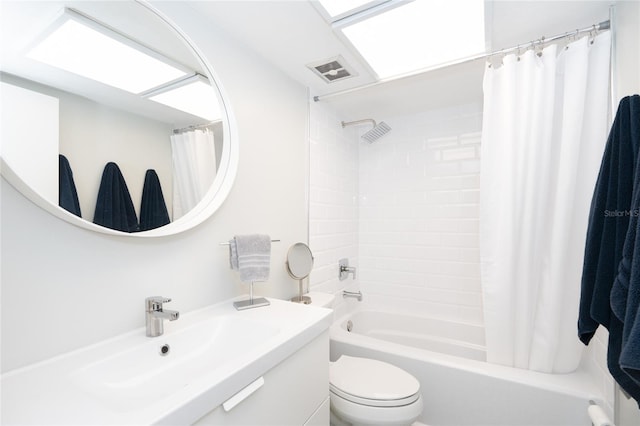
375	133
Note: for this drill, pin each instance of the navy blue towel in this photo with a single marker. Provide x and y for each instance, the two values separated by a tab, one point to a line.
153	210
67	194
114	208
625	294
610	240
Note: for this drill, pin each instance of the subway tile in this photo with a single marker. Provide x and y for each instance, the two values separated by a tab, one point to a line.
470	166
462	153
405	209
460	240
463	211
443	197
473	138
469	196
455	182
469	254
453	283
442	169
471	315
445	141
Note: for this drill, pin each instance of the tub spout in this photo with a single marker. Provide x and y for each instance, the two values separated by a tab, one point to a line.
355	294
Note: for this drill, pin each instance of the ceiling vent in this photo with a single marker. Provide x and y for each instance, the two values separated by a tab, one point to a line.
333	69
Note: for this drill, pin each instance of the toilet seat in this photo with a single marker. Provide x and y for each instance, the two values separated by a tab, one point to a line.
372	383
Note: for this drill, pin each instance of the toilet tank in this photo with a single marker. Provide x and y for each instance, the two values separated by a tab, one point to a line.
323	300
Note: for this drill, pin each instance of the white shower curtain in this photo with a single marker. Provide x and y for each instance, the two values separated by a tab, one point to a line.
544	129
194	168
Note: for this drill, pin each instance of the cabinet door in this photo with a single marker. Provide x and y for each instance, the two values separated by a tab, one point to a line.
292	392
322	415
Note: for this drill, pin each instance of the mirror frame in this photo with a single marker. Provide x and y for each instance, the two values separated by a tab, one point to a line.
288	261
211	201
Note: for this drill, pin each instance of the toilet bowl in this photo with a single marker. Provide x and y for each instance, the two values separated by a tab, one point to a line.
365	391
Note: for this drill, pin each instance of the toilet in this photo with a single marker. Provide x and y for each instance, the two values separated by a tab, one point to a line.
365	391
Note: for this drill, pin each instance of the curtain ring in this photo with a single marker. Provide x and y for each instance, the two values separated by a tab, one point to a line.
592	34
541	46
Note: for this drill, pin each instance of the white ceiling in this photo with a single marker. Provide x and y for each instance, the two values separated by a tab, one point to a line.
291	34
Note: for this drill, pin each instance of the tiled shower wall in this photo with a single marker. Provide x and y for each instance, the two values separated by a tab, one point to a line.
404	210
419	215
333	196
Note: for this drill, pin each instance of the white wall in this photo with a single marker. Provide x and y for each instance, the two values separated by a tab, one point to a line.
92	134
333	209
627	26
627	82
64	287
29	123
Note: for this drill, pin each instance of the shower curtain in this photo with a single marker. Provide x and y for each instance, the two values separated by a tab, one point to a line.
544	129
194	168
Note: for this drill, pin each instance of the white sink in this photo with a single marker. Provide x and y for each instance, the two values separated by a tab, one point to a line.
140	375
213	354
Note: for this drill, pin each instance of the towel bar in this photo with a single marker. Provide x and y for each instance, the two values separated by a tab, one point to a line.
227	242
251	302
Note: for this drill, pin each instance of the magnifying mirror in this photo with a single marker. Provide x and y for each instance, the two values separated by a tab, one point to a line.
299	264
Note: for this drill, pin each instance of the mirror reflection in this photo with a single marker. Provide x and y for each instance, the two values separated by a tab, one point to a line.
299	265
123	128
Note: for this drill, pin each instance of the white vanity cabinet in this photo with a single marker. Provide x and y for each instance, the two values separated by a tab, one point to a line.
294	392
266	366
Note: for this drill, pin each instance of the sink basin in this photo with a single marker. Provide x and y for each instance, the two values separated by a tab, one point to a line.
210	355
158	367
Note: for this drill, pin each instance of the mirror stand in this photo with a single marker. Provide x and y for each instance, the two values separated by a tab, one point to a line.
301	298
299	265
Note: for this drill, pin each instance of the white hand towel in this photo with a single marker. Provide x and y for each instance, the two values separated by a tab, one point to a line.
253	256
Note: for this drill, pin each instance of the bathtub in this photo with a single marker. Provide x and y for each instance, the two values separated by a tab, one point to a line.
458	386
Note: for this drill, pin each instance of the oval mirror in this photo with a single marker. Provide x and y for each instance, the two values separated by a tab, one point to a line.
135	106
299	265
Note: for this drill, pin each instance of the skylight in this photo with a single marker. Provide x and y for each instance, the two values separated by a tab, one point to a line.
82	47
339	7
196	97
417	34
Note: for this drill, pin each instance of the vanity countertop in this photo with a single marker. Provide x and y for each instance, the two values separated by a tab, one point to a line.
213	353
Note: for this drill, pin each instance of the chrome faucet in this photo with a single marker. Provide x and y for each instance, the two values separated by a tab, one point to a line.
155	315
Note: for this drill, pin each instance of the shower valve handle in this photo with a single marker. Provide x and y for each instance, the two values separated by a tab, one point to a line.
345	270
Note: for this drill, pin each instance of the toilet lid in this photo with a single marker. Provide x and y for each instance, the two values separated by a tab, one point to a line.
371	382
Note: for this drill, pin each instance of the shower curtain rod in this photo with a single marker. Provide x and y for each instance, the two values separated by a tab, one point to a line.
602	26
195	127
